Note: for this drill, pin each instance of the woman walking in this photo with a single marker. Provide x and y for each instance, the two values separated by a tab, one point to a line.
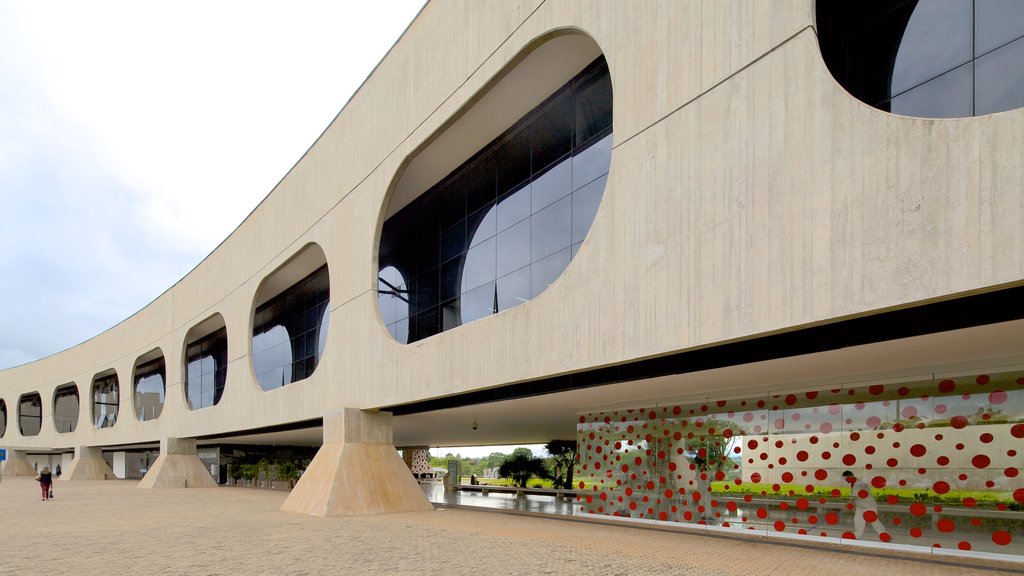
45	479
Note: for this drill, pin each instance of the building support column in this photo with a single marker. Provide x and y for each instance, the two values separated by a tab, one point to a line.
17	465
357	471
88	464
178	466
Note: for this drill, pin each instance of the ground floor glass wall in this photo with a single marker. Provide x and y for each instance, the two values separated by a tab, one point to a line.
929	462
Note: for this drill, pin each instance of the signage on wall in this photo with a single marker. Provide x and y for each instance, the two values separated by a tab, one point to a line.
3	454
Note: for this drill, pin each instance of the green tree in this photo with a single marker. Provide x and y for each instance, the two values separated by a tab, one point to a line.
523	466
563	456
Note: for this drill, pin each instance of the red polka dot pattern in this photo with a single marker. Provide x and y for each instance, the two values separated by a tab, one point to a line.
933	463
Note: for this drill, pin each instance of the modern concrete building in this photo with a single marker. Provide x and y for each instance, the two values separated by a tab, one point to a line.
736	249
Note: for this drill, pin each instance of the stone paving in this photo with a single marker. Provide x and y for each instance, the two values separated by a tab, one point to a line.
115	528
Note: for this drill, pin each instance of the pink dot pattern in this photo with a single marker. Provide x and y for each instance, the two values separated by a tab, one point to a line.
934	463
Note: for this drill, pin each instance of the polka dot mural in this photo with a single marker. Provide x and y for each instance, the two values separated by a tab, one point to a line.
934	463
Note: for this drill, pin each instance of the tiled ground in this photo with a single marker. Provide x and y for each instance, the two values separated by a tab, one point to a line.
115	528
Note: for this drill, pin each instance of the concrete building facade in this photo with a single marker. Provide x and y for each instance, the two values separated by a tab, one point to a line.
689	211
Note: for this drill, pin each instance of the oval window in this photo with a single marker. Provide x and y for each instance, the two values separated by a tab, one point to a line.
506	219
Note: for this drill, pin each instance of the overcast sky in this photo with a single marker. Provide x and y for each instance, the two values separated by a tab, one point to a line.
135	136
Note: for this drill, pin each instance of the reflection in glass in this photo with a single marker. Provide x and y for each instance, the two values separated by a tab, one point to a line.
1000	79
3	418
206	369
290	331
149	390
30	414
927	58
65	408
105	401
501	228
911	462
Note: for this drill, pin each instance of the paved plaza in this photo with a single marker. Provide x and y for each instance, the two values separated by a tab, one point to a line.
115	528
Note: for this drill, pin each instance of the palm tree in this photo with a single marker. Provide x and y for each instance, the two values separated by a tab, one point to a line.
520	468
564	453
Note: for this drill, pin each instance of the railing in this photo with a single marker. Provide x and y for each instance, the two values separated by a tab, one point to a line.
487	488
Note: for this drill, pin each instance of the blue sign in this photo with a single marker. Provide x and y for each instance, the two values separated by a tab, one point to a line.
3	454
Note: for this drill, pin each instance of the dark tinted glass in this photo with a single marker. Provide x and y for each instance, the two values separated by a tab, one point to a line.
30	414
467	243
288	331
65	408
928	58
206	369
3	418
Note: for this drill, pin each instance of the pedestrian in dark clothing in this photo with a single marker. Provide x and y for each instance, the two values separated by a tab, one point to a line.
45	479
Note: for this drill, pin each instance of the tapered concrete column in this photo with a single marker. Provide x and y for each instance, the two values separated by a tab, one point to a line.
17	465
357	471
88	464
178	466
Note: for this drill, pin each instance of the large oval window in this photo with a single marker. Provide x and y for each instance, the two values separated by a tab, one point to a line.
927	58
501	225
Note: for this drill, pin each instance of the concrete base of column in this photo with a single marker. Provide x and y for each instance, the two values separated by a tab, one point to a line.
357	471
88	464
178	466
17	465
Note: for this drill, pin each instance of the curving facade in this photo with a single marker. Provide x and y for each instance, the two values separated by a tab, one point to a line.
714	226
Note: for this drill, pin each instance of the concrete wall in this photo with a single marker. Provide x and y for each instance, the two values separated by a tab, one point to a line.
748	193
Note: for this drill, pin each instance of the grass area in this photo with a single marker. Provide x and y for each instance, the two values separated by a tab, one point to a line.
533	483
982	497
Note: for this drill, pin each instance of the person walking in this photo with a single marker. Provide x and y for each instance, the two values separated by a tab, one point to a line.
865	509
45	479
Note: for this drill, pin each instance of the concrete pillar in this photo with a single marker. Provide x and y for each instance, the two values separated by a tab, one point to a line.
178	466
17	465
357	471
88	464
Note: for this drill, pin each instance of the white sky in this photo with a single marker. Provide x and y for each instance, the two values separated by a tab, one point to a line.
481	451
135	136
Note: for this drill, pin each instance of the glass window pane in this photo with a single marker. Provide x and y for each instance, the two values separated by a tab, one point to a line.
513	207
591	163
451	314
453	241
481	224
480	265
514	289
512	161
593	107
585	202
546	271
948	96
999	79
550	229
996	23
478	303
937	39
552	132
555	184
450	279
513	248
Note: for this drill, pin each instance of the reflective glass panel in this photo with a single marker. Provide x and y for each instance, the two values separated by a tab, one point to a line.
106	399
948	96
997	22
30	414
3	418
150	389
65	408
290	330
469	243
999	78
206	369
